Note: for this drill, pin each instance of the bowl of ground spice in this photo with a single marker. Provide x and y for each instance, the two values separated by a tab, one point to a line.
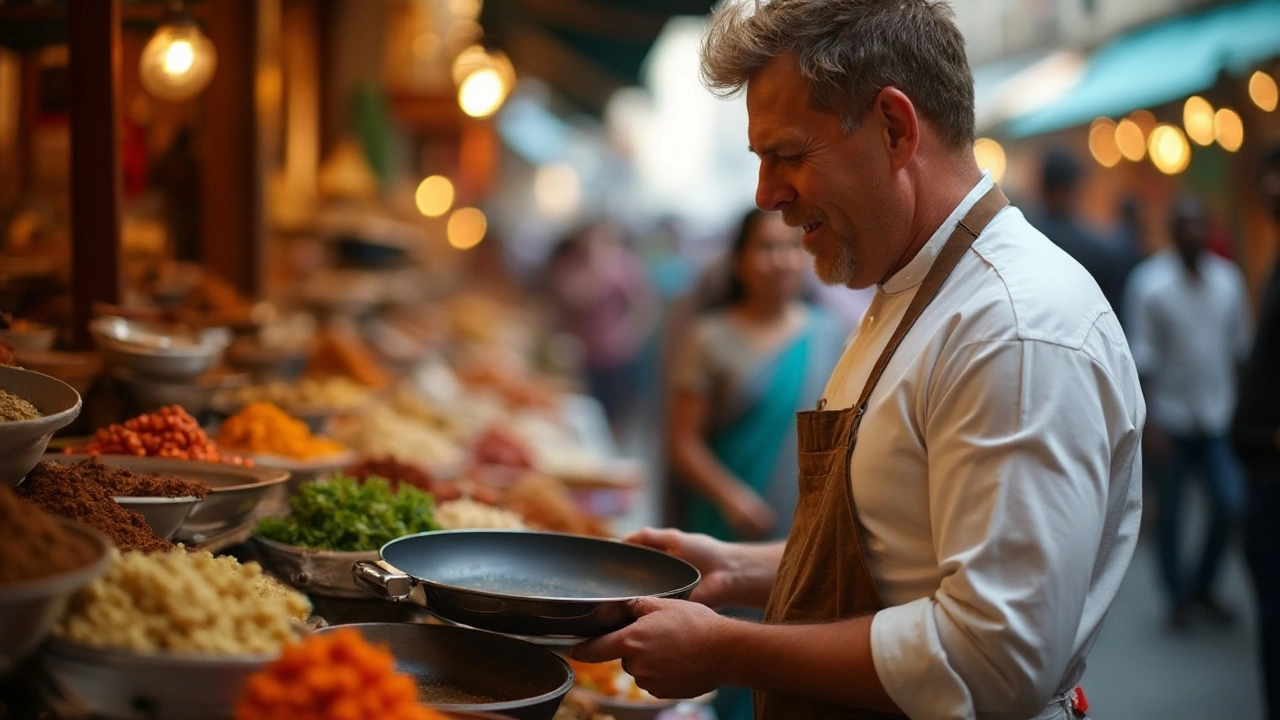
32	408
43	561
69	490
235	493
164	501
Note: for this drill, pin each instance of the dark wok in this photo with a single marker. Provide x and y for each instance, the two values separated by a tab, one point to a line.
464	670
527	583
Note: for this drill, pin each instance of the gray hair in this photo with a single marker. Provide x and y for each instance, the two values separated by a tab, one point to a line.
848	50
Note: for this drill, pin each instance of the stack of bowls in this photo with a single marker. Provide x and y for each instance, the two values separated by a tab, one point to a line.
159	366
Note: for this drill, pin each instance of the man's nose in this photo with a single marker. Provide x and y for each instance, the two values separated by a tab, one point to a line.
772	193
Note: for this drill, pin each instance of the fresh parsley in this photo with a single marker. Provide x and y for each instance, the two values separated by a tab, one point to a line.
344	515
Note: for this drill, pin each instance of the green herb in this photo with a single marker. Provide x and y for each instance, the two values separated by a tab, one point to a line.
343	514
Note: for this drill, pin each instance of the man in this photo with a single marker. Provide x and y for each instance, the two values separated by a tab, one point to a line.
1189	330
1257	439
958	560
1109	263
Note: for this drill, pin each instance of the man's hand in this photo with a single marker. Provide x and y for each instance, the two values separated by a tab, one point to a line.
674	649
711	557
732	573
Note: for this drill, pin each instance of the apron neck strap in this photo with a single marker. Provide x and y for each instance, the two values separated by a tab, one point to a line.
967	230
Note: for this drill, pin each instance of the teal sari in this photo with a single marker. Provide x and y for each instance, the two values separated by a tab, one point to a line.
750	447
756	441
754	436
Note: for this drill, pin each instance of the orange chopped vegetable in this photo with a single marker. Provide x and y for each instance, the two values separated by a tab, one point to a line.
261	427
332	676
169	432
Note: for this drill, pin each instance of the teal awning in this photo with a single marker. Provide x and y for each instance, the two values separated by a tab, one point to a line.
1161	63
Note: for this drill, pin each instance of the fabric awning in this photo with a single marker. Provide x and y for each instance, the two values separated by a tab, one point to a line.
1161	63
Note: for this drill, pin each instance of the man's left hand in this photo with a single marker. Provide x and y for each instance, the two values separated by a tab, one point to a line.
674	649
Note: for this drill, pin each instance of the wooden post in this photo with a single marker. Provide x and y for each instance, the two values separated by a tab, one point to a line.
94	32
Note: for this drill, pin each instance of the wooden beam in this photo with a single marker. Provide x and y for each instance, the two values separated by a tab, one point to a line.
231	231
94	34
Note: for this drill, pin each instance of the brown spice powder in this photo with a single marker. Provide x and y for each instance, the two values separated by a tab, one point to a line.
33	544
122	482
67	491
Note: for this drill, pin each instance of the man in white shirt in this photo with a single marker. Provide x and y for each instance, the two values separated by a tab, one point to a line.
1189	332
969	493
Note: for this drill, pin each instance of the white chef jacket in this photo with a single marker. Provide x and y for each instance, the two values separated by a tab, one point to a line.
997	474
1187	336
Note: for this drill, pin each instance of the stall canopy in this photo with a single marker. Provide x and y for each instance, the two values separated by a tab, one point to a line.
585	49
1161	63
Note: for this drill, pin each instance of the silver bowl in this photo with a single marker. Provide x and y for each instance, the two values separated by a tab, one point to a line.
235	492
22	443
195	395
159	352
28	610
164	514
149	686
320	572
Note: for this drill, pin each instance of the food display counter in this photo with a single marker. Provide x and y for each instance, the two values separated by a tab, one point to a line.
223	557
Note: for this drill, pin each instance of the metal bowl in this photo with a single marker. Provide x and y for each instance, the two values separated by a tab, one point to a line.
164	515
318	572
499	674
28	610
236	491
22	443
195	395
149	686
158	351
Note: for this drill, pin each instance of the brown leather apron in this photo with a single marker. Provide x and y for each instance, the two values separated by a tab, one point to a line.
824	575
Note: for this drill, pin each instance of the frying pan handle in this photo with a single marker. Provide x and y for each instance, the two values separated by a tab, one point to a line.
378	580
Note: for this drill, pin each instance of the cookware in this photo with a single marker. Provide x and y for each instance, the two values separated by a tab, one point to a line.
526	583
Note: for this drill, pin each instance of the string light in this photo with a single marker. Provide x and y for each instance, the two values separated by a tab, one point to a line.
434	196
178	61
1170	151
1228	129
1102	142
466	228
1130	140
1263	91
1197	118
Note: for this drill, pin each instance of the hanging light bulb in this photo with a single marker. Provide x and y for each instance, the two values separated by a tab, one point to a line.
178	61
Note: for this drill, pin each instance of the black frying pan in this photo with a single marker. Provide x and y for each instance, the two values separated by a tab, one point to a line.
527	583
465	670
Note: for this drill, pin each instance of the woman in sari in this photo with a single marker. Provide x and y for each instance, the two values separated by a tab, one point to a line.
744	367
742	371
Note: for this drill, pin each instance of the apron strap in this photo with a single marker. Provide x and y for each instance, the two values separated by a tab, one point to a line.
967	230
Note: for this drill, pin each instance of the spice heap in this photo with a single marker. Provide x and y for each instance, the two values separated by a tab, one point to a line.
14	408
333	676
261	427
122	482
71	491
33	544
330	392
344	515
184	602
169	432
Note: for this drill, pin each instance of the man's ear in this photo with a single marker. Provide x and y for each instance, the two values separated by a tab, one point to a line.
897	115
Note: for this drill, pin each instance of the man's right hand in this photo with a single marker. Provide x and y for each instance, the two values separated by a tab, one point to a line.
732	573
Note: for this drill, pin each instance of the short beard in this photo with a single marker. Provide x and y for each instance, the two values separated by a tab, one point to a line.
838	269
